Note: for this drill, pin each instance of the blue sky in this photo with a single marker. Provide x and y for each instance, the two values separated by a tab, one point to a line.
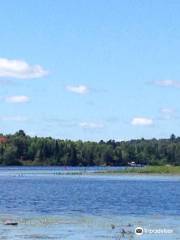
90	70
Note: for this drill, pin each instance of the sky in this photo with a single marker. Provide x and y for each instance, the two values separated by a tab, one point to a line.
90	70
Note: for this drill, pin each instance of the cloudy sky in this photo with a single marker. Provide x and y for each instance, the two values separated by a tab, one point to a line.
90	70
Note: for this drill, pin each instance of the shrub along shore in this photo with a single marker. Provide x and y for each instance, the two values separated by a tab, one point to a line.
172	170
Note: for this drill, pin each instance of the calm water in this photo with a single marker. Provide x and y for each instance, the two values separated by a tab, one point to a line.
50	206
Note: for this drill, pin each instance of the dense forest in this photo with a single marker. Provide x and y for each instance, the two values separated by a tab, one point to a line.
21	149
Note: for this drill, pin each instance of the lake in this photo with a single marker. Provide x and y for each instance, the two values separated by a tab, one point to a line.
48	205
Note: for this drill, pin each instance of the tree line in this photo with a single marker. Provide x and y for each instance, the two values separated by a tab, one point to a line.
21	149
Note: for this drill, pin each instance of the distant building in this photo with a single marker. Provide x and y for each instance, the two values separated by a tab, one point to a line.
3	139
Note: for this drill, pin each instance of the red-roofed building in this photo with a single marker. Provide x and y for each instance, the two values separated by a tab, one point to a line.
3	139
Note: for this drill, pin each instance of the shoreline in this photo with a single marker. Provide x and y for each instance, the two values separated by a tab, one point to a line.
136	171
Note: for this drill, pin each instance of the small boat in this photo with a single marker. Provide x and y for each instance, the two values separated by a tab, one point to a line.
132	164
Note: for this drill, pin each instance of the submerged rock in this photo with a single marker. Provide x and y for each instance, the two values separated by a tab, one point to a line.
113	226
129	225
125	231
11	223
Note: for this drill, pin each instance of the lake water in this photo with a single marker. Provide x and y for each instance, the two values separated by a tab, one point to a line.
48	205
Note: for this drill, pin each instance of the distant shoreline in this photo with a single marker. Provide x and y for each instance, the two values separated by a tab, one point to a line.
22	149
85	171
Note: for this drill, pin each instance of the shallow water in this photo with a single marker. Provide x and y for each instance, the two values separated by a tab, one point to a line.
50	206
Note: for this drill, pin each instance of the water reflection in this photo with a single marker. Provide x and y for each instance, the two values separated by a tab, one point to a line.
86	206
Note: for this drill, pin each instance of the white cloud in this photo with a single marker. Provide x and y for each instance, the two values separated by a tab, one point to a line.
91	125
15	68
141	121
13	118
167	110
17	99
79	89
168	83
168	113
